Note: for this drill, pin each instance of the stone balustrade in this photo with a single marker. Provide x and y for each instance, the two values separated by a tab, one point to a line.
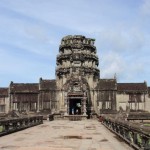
136	134
11	125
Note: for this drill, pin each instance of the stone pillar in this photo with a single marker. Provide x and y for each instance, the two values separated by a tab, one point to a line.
62	100
16	106
11	102
94	101
38	102
84	105
29	105
41	99
66	108
50	102
144	102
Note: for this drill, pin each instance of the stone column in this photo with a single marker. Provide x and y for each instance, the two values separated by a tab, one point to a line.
66	108
84	105
41	100
11	103
38	102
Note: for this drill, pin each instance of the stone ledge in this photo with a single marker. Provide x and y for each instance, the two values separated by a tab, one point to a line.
75	117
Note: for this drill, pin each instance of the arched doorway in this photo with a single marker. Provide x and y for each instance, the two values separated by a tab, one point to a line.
75	103
77	96
75	106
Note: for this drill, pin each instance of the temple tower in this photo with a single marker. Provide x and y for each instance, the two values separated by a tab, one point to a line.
77	75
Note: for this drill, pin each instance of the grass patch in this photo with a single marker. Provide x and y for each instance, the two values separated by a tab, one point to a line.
147	124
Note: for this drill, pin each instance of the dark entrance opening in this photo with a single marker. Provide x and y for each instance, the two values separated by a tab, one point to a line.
75	107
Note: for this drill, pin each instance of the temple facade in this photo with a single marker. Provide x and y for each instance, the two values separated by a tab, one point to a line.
78	88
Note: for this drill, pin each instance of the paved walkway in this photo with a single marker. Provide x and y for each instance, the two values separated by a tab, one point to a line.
64	135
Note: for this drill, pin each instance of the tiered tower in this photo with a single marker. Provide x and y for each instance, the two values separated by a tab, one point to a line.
77	71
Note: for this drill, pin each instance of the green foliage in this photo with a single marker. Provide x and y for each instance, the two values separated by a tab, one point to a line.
139	140
147	124
1	128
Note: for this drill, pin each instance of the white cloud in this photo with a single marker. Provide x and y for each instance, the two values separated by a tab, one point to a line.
23	69
121	40
145	8
81	15
37	33
27	36
111	64
126	69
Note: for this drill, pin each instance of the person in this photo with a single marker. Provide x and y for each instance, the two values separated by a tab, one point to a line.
72	111
77	111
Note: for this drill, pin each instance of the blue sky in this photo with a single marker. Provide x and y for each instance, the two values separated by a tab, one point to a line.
31	31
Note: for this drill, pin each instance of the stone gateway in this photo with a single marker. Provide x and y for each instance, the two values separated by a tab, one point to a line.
77	75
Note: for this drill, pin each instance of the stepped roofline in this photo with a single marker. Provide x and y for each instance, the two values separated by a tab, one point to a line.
69	37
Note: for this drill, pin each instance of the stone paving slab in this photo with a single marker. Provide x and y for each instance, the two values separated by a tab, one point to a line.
64	135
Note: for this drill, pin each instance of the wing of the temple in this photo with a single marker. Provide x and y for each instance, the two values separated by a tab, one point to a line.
106	95
133	95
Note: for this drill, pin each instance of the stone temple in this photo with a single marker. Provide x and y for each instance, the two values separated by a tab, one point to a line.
78	88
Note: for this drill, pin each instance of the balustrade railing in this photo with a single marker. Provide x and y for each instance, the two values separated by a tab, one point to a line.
136	134
15	124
